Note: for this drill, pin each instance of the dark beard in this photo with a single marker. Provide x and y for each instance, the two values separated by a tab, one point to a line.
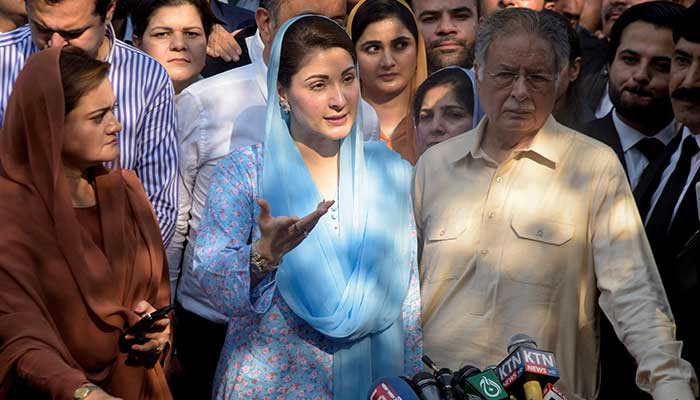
437	59
657	114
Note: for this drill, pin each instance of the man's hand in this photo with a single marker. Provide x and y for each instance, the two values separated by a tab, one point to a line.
222	44
279	235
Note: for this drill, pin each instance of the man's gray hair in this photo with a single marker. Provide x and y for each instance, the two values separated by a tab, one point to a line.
273	9
519	22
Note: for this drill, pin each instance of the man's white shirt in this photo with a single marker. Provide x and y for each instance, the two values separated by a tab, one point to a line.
635	160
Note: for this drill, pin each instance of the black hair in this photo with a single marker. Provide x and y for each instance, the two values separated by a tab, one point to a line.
379	10
662	14
145	9
460	84
305	35
477	3
574	42
101	6
688	27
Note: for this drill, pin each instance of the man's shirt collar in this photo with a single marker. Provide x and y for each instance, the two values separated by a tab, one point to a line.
629	136
546	143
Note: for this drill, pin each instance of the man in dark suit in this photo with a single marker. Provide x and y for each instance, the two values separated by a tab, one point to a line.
667	193
641	122
593	83
638	128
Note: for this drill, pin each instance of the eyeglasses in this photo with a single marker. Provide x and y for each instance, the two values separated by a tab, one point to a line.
504	79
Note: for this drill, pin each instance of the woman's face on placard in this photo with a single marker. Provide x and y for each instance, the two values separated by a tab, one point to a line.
387	54
323	95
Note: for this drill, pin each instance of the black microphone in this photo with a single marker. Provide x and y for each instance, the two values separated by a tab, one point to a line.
462	385
444	378
426	386
527	369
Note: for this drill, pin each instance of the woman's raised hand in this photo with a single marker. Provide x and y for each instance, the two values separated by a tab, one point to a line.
279	235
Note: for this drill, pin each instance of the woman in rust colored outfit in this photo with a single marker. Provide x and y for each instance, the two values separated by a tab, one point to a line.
81	257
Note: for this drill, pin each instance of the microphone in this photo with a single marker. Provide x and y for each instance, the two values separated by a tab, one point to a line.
392	388
527	368
476	384
460	380
444	379
426	386
551	393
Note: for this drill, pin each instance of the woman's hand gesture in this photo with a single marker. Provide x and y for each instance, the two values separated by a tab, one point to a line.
279	235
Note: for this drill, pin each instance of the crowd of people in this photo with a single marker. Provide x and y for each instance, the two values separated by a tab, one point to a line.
326	191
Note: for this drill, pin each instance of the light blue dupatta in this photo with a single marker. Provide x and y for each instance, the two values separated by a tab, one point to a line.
349	287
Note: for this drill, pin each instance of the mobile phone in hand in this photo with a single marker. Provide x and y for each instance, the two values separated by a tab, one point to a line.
140	328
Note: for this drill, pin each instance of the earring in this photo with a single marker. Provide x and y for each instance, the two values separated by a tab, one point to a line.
284	106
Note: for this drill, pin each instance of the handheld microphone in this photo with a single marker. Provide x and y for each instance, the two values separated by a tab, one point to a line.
527	368
444	379
426	386
460	380
551	393
391	388
477	384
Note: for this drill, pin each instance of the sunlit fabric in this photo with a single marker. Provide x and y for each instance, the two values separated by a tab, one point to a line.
533	246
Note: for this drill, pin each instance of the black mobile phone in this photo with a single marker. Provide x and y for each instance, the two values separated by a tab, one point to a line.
140	328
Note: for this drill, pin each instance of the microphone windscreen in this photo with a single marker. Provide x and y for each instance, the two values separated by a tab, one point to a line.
426	386
467	371
391	388
520	339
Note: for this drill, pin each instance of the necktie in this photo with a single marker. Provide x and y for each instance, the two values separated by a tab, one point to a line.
652	148
660	220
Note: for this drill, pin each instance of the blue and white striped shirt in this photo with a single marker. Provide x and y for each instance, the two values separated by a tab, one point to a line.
146	110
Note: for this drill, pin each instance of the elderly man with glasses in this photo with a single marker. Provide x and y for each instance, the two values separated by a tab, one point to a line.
527	226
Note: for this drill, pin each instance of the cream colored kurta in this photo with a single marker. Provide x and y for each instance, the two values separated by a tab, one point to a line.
529	246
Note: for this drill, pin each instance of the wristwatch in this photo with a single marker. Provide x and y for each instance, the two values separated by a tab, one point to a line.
84	391
258	264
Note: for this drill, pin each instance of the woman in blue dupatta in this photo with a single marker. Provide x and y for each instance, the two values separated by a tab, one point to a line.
322	305
445	105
